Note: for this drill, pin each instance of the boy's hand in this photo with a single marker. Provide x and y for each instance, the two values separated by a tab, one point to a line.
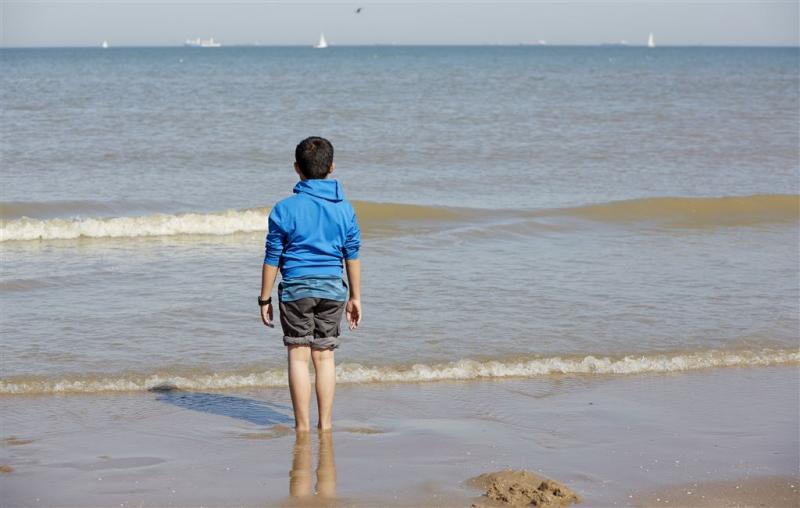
266	315
353	313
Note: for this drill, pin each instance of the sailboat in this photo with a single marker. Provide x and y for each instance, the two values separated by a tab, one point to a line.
651	42
322	42
104	45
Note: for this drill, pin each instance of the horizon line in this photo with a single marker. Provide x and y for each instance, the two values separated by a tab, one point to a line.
418	45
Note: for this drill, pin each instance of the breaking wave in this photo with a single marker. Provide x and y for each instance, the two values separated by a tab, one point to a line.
371	215
222	223
664	211
464	369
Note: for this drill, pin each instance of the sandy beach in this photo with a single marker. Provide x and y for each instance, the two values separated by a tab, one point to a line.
579	262
614	440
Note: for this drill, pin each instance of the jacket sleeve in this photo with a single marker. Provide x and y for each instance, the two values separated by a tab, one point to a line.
276	240
353	241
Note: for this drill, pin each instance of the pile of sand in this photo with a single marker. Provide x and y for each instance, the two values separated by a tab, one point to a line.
521	488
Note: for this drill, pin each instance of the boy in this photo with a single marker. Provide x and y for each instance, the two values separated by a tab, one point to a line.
310	234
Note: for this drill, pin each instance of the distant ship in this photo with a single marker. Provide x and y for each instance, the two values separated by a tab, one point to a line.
322	44
622	43
540	42
104	45
651	42
202	43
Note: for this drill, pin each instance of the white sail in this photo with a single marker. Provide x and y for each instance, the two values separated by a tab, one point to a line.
322	42
651	42
105	44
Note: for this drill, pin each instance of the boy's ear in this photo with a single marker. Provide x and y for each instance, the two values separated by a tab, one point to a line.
297	170
333	167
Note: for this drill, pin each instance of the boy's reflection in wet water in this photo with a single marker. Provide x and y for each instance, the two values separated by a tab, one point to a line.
300	475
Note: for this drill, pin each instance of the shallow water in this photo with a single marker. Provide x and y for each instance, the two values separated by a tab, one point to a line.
606	437
597	210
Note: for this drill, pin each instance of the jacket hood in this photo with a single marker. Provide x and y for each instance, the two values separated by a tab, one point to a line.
329	190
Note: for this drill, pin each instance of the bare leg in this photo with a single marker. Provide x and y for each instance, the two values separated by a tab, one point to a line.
325	385
300	386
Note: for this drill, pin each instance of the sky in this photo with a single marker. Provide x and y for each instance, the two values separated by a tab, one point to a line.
168	23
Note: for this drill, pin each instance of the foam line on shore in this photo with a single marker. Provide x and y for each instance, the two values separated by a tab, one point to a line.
464	369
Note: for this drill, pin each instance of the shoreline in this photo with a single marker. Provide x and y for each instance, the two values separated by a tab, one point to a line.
611	440
465	369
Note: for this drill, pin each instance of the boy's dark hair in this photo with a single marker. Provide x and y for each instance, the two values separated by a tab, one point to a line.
314	155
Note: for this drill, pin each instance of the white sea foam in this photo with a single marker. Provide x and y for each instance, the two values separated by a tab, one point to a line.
464	369
219	223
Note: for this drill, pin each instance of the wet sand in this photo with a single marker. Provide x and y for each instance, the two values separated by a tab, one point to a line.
614	440
772	491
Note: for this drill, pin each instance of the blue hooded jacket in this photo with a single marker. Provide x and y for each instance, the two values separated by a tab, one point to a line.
311	232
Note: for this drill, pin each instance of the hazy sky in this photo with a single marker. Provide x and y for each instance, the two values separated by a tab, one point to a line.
151	22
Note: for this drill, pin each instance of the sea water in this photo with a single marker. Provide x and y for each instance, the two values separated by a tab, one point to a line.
525	210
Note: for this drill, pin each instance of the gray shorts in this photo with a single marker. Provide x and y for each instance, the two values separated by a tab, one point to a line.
311	322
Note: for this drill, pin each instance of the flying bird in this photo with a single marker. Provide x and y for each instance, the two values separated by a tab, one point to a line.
358	11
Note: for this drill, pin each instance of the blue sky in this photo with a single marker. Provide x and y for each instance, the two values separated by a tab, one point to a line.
166	23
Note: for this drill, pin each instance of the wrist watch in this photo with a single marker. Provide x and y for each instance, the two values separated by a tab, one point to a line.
261	302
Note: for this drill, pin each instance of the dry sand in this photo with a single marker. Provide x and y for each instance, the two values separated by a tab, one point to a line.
522	488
